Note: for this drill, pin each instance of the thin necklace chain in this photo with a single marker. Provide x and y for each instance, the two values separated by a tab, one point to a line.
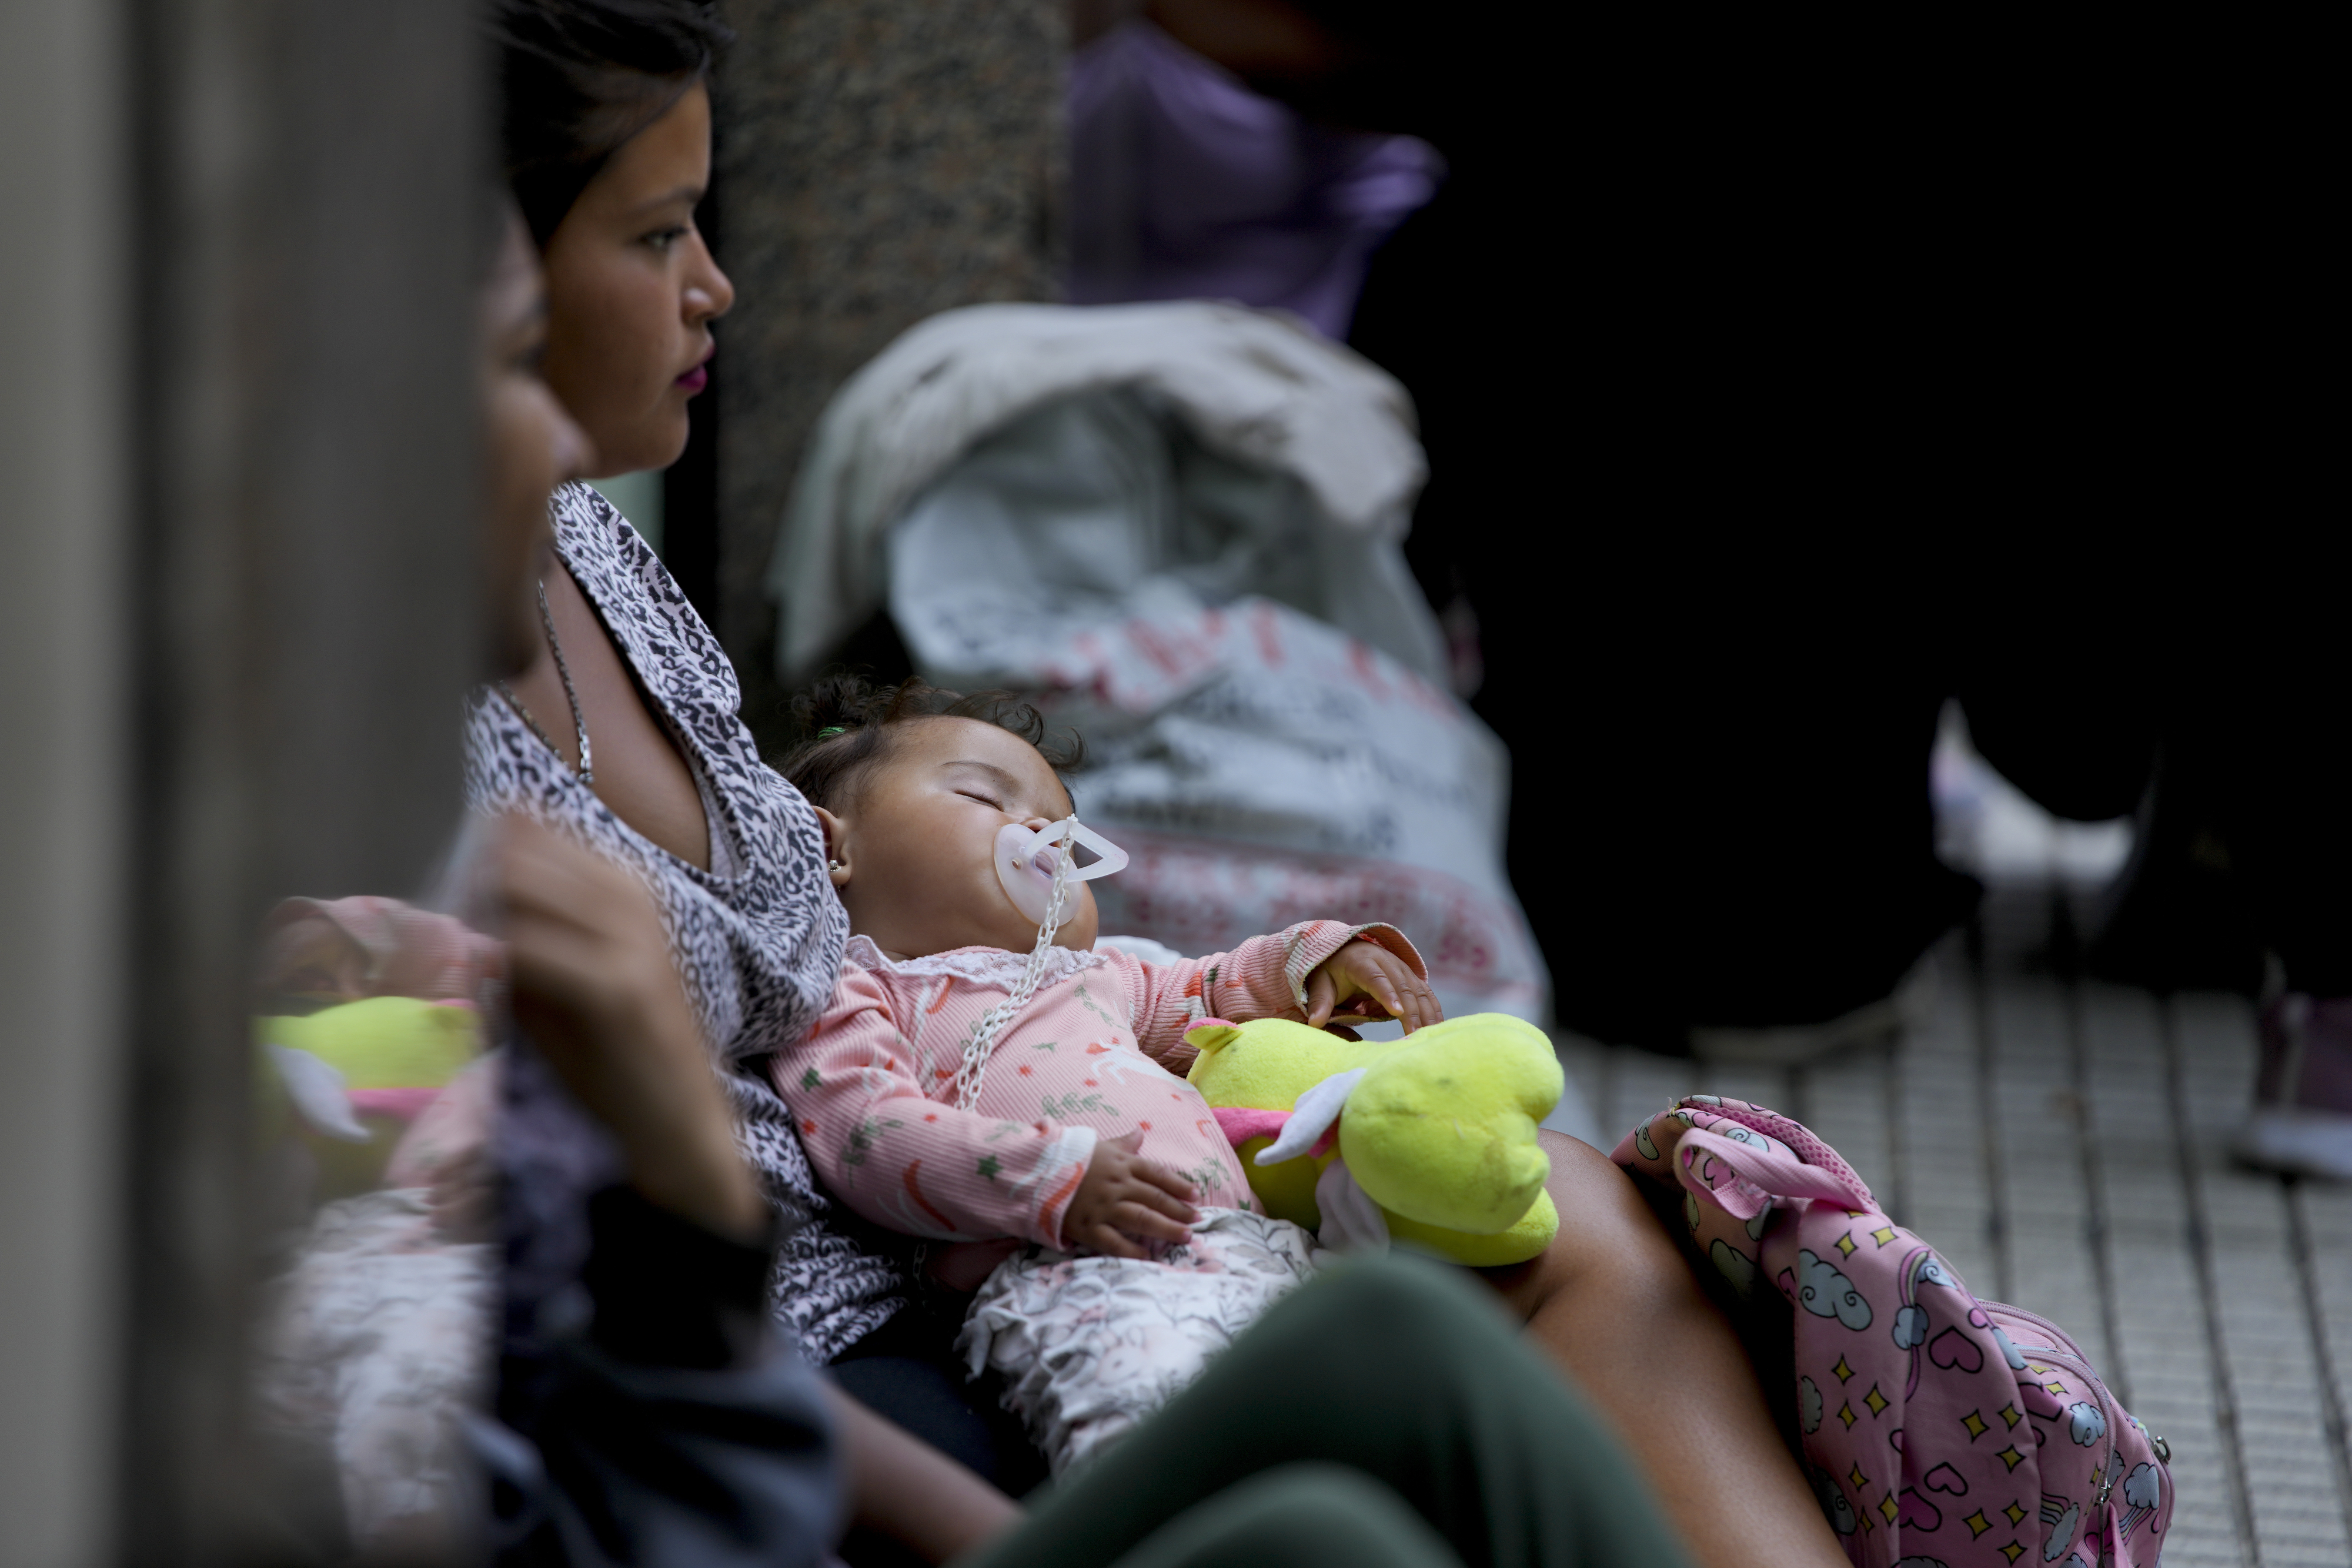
964	1090
563	672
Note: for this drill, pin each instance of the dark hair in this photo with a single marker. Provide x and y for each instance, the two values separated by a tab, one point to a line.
846	721
577	78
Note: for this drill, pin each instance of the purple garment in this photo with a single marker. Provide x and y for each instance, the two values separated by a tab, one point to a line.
1184	184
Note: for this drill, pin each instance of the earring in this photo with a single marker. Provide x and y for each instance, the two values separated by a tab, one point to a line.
834	865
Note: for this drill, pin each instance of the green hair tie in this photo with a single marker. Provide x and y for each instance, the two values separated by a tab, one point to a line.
832	730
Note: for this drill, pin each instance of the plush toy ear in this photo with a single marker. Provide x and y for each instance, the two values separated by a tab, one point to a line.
1212	1035
1312	1117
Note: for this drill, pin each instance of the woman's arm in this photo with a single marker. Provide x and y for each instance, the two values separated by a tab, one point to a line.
674	1424
906	1489
1612	1302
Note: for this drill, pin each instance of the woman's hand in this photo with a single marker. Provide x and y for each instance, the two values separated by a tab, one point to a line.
594	986
1364	979
1124	1195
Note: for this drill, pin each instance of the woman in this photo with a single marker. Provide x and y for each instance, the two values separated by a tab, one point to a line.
616	1434
624	727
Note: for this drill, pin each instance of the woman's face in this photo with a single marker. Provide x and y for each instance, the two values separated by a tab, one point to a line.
632	292
531	446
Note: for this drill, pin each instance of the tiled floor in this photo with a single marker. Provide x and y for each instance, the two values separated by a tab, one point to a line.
2061	1142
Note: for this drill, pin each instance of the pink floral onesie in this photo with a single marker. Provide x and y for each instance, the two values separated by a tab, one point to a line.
1097	1053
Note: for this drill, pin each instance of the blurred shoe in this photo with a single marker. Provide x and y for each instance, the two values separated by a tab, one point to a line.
1796	1045
2301	1121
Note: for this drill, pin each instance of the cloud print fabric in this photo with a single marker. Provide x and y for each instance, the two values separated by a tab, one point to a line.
1941	1431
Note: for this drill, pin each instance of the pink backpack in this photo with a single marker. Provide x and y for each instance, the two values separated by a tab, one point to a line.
1939	1431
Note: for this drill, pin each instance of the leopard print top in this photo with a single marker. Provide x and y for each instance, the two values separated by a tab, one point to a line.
758	937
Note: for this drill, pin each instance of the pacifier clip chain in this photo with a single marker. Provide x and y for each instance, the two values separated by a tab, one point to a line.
964	1088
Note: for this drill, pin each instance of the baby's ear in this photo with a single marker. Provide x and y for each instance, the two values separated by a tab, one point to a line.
1212	1035
837	863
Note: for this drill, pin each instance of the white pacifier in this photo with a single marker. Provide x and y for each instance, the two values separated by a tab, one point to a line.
1026	861
1036	869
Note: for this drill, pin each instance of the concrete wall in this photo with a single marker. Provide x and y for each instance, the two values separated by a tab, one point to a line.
880	160
238	402
62	628
309	244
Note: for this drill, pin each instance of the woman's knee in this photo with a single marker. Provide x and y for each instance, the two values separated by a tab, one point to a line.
1362	1312
1402	1298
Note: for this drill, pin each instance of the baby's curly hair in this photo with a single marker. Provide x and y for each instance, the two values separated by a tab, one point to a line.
844	723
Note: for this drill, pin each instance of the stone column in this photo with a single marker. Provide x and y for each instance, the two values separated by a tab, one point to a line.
878	161
63	625
250	659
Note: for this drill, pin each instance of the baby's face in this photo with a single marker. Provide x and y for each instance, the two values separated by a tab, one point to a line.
917	842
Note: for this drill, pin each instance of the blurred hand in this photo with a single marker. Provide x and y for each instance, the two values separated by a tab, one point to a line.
1124	1197
594	986
1364	979
447	1151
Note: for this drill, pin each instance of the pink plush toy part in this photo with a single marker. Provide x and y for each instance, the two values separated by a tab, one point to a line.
1240	1123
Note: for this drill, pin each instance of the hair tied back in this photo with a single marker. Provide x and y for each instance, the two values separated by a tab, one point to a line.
864	718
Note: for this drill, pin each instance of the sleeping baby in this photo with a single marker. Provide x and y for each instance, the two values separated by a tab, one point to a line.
985	1076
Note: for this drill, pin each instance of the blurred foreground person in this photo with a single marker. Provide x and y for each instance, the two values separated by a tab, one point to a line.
643	1410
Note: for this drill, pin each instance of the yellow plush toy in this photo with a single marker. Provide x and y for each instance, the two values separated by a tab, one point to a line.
1437	1130
357	1074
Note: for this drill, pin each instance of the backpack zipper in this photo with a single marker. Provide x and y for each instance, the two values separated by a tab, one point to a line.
2068	1354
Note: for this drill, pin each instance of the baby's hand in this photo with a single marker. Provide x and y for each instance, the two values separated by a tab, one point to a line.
1124	1195
1363	979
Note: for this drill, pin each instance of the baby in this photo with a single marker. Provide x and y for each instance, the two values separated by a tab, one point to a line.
1070	1128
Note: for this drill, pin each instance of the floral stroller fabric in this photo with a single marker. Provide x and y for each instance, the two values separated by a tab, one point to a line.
1939	1430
